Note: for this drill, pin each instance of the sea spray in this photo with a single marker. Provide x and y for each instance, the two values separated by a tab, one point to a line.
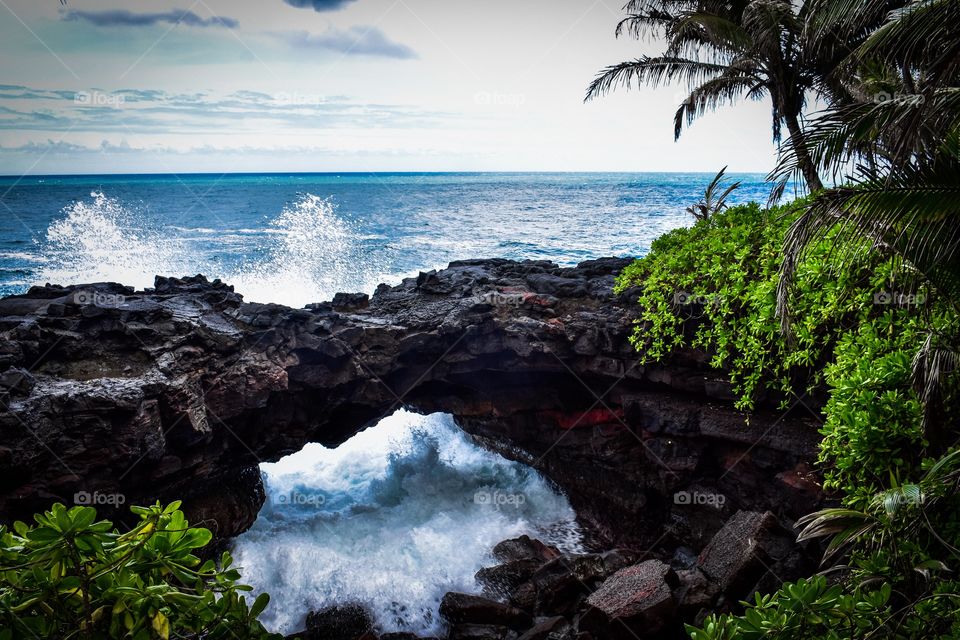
313	254
392	519
103	240
307	253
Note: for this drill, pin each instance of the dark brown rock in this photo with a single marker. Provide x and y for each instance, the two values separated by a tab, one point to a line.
639	598
736	558
345	622
524	548
463	608
500	581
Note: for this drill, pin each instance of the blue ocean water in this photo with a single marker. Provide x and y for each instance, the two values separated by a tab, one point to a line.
299	238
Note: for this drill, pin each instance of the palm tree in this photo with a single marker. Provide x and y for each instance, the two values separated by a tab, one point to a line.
727	51
711	203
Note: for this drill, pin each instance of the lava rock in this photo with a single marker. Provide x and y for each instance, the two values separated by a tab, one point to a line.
350	301
463	608
168	393
500	581
736	557
639	597
524	548
345	622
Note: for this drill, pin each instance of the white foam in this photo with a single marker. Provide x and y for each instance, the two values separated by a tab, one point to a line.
100	240
314	255
310	252
392	519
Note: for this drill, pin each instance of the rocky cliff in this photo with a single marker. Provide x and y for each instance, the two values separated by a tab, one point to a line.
113	396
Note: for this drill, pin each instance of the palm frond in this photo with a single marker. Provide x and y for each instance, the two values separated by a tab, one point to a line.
912	213
653	71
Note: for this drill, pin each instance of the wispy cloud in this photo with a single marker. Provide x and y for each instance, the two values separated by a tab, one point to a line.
357	40
319	5
158	112
124	18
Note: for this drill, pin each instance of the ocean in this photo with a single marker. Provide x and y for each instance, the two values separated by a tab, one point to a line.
411	508
296	239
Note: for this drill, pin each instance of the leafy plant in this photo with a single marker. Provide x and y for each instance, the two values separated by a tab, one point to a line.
713	286
72	576
906	536
803	610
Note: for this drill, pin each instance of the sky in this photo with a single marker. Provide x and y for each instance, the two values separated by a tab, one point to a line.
142	86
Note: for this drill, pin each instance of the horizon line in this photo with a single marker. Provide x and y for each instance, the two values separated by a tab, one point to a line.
354	172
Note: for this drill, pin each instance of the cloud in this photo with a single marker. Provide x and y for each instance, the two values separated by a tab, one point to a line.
319	5
69	148
124	18
153	111
356	40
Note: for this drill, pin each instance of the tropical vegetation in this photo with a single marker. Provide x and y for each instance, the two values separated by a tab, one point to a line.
69	575
848	298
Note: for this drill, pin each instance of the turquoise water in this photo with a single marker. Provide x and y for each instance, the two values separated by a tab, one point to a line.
299	238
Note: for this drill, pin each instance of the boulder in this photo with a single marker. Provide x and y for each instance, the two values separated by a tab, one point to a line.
638	598
524	548
500	581
345	622
464	608
481	632
737	556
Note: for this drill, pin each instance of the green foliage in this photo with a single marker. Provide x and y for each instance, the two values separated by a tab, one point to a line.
873	433
906	537
709	286
713	286
72	576
803	610
899	535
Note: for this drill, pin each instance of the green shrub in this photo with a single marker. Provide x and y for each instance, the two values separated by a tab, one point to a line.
728	267
859	351
71	576
713	286
803	610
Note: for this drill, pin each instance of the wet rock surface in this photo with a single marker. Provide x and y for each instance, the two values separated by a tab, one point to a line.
618	595
113	397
